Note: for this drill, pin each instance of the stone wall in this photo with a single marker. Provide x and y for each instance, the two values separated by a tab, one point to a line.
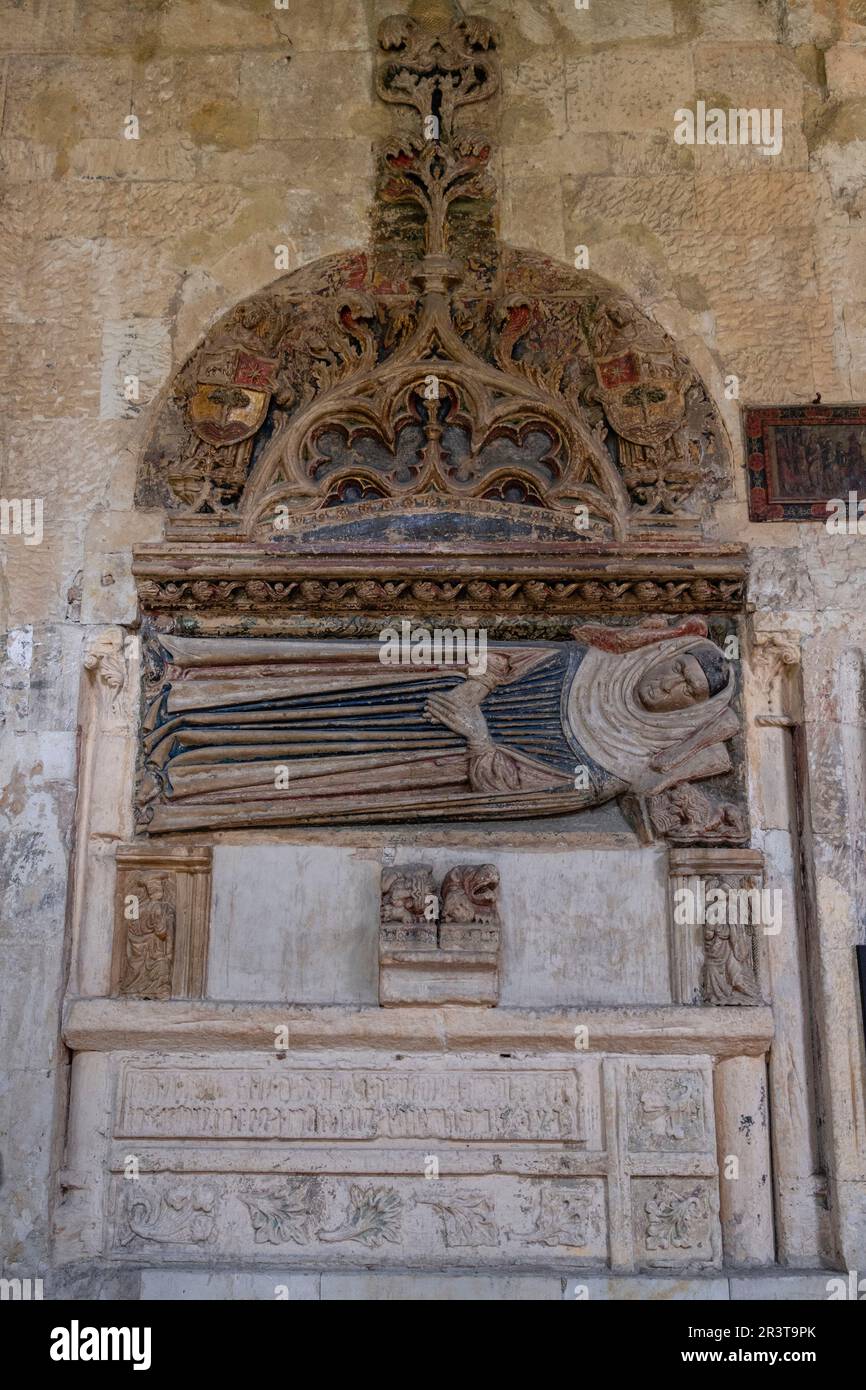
255	131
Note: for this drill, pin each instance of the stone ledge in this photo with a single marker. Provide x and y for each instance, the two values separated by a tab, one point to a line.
89	1282
109	1025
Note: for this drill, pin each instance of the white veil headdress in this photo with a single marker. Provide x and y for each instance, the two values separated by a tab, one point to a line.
612	725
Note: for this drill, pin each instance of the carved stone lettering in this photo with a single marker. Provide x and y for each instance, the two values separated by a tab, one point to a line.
350	1103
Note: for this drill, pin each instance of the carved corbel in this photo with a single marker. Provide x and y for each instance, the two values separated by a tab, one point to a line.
105	661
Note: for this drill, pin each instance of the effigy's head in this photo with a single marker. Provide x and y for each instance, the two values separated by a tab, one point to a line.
685	679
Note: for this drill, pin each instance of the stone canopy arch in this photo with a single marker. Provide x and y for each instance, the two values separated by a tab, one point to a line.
450	407
550	404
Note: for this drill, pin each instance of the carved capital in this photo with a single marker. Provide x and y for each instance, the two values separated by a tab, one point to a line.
105	661
775	657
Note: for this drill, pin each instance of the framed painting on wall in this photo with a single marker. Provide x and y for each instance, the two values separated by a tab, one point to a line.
801	457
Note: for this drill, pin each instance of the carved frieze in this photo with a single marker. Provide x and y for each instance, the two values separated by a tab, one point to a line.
262	587
340	1221
162	911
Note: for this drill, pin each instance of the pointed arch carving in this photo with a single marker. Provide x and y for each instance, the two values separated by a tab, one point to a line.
440	397
553	393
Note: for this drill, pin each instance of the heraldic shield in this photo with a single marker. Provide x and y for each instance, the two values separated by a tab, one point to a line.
232	395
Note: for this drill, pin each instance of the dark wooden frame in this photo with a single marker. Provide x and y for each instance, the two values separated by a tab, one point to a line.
766	502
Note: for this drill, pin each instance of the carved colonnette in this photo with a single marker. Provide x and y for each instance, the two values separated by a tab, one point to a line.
719	959
106	760
778	754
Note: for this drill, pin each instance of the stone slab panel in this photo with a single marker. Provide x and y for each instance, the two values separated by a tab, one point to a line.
440	1288
647	91
315	95
578	929
761	203
295	923
664	201
181	1286
645	1289
785	1287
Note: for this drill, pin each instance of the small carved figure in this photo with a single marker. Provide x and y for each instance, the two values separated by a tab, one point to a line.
150	940
404	893
686	813
729	972
469	894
